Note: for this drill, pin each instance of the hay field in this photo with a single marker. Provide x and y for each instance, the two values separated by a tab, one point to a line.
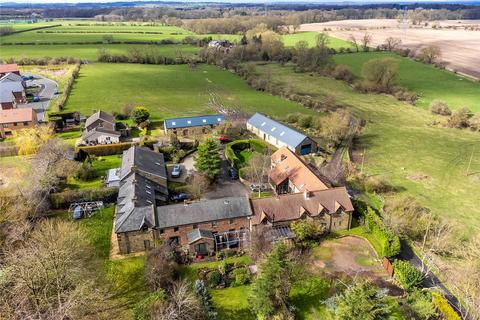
459	44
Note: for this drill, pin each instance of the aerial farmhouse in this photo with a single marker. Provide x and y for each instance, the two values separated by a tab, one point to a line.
189	126
280	135
289	174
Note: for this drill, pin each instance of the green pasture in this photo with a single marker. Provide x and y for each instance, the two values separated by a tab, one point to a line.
431	83
290	40
401	144
88	51
169	90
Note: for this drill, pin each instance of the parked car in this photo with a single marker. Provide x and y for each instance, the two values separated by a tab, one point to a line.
224	139
232	173
176	171
259	188
176	197
25	78
36	99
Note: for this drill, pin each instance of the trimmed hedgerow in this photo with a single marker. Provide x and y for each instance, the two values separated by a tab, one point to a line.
239	145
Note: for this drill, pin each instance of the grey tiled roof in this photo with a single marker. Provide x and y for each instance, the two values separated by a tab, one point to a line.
198	234
95	133
99	115
287	135
144	160
195	121
203	211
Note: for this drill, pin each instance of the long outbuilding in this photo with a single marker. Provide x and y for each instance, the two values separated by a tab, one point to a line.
280	135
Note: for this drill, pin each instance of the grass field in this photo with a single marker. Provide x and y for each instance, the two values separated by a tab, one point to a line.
429	82
87	51
173	90
400	144
311	38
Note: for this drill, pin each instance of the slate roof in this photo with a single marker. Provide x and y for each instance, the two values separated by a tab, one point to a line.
196	121
144	160
198	234
286	164
287	135
95	133
138	193
293	206
11	77
6	89
100	115
203	211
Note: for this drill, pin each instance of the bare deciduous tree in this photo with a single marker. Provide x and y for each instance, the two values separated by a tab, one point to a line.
391	43
430	54
354	40
366	40
258	169
181	304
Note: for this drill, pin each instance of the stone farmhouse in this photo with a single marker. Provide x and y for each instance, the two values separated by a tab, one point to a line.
190	126
16	119
289	174
101	128
280	135
331	207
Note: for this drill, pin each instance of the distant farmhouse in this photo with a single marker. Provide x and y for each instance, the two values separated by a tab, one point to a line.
332	208
192	125
12	91
221	45
16	119
9	68
101	128
280	135
289	174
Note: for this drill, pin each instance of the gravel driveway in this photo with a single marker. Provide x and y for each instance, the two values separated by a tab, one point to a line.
46	94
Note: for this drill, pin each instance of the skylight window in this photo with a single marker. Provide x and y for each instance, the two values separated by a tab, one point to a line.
204	120
282	133
174	123
149	192
219	119
273	129
189	122
264	123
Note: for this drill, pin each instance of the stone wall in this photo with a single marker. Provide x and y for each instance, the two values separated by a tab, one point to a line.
135	241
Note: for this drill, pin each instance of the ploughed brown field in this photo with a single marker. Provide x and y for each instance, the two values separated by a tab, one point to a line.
459	40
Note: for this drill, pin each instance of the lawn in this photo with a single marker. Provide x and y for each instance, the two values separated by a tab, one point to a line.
311	38
173	90
400	144
124	276
424	79
88	51
101	165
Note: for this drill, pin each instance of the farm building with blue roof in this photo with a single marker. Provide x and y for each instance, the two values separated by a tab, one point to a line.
192	125
280	135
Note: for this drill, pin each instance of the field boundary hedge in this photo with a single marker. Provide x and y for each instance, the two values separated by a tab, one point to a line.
104	149
37	28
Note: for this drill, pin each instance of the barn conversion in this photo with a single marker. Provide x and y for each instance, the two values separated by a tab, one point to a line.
280	135
192	125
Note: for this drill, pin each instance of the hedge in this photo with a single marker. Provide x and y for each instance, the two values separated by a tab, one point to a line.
390	243
240	145
444	307
103	149
407	275
62	200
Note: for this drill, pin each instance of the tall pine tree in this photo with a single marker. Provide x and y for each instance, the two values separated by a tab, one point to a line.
208	159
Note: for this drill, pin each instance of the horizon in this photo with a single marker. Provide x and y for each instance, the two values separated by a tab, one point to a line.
326	2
